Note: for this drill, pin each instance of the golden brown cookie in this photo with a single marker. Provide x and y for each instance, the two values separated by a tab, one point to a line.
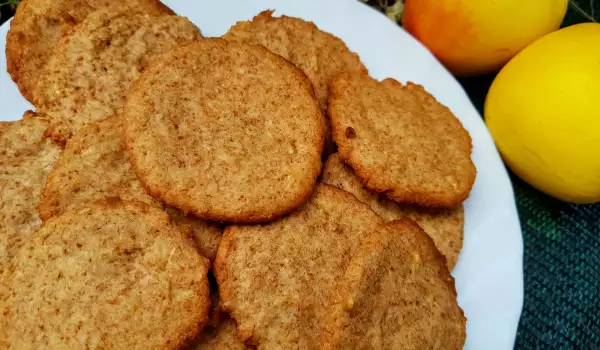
116	275
276	279
26	158
226	131
222	337
444	226
93	166
400	141
319	54
37	26
92	67
397	293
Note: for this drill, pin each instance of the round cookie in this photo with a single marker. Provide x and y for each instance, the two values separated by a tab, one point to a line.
226	131
37	26
116	275
276	279
94	165
400	141
92	67
396	294
222	337
319	54
444	226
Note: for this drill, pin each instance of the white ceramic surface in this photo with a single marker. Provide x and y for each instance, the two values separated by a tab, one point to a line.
489	274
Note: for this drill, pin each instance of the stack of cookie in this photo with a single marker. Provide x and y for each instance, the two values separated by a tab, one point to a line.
156	159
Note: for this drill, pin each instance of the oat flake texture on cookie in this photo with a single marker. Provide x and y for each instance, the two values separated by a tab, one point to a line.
225	131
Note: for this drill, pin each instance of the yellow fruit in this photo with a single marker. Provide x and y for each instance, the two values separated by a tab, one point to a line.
479	36
543	110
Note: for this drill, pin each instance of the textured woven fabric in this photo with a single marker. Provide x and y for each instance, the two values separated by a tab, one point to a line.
562	272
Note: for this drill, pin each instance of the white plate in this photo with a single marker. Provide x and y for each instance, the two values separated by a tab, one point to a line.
489	274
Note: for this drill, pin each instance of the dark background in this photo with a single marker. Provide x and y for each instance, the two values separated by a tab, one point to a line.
562	241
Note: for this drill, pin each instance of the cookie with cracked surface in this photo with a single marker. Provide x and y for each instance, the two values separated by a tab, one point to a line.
319	54
92	67
114	275
94	165
397	293
401	141
221	337
275	279
37	26
225	131
444	226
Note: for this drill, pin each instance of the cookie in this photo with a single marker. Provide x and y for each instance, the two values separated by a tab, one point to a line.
92	67
400	141
26	158
319	54
115	275
37	26
93	166
276	279
444	226
222	337
225	131
396	294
